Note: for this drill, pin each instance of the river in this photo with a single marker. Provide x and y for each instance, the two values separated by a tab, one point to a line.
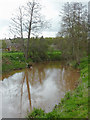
43	86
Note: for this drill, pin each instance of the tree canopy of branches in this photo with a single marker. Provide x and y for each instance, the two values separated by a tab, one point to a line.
28	21
17	28
74	28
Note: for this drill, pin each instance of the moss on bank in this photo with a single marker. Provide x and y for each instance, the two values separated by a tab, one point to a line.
74	104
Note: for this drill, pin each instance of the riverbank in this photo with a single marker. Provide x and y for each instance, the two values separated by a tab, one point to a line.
16	60
12	61
74	104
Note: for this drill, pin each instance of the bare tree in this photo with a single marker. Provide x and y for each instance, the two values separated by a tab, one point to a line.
16	26
74	27
28	21
34	22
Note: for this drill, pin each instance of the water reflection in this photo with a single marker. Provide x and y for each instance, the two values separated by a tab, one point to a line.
42	87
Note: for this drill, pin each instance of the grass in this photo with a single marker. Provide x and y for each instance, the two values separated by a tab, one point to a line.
16	60
12	61
55	55
74	104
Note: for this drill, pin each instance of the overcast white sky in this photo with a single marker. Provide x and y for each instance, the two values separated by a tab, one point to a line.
50	9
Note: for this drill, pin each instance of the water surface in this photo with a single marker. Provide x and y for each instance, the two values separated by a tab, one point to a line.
41	87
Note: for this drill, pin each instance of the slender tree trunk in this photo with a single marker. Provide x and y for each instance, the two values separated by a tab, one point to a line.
29	32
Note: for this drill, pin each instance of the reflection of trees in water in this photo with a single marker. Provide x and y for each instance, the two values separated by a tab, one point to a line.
37	74
41	73
67	78
52	65
28	87
70	77
22	82
29	76
63	77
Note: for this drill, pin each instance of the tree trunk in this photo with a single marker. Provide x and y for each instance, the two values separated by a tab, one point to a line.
29	32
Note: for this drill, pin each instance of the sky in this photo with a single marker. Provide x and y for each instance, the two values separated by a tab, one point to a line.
50	9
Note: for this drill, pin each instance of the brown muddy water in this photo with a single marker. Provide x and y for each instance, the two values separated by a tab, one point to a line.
41	87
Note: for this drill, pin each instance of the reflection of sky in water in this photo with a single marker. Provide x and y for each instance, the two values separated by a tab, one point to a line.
45	91
48	92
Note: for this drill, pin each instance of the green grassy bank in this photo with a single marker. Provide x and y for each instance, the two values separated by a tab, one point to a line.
74	104
16	60
12	61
